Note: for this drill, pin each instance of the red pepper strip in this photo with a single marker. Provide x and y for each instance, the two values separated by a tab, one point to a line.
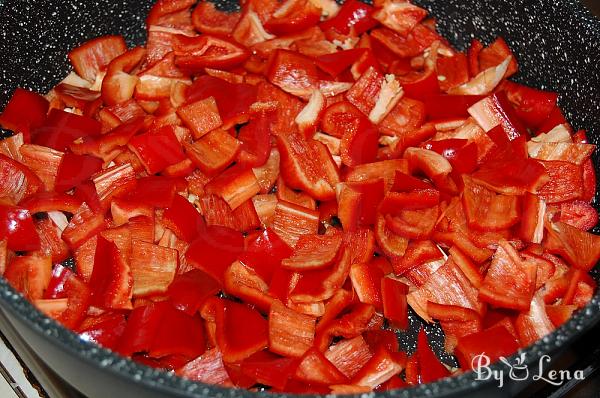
488	211
496	53
51	201
359	142
183	219
413	224
336	63
555	118
496	110
420	85
395	202
559	314
383	338
589	171
86	192
105	329
406	183
208	368
142	324
51	241
366	281
255	141
56	286
314	252
17	227
455	71
156	191
78	296
30	274
242	282
269	369
445	312
395	307
449	106
581	249
354	15
215	249
24	112
565	182
358	203
473	57
111	281
293	16
61	128
340	118
74	169
431	369
461	155
233	100
494	342
157	149
189	291
207	51
118	84
238	343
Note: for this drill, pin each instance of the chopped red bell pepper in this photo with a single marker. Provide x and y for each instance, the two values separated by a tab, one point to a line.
269	369
17	227
291	334
157	149
395	307
354	16
30	274
111	282
380	368
315	368
207	51
183	219
314	252
358	203
24	112
293	16
303	69
367	282
207	18
189	291
336	63
494	342
61	128
431	369
75	169
578	247
105	329
93	56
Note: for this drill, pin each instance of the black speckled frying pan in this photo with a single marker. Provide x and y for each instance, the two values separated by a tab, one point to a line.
556	42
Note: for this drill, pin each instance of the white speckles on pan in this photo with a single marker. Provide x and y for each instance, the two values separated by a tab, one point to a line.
557	44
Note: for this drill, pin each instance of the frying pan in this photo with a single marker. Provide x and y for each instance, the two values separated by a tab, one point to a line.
556	42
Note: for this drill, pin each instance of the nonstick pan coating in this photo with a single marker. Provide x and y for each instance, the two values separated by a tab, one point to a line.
558	48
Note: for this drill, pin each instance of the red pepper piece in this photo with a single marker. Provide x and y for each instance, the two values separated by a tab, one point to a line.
579	248
494	342
215	249
555	118
78	296
455	71
56	286
359	142
208	19
559	314
291	333
353	15
17	227
195	53
61	128
238	343
183	219
578	214
510	281
496	110
142	325
363	94
380	368
412	45
30	274
118	84
24	112
395	202
366	281
449	106
340	118
486	210
402	18
244	283
156	191
533	324
208	368
269	369
358	203
303	69
157	149
353	323
189	291
255	141
465	264
532	106
444	312
111	281
233	100
51	201
264	254
169	13
431	369
314	252
385	169
86	192
292	221
349	356
178	334
105	329
395	307
565	182
94	55
413	224
383	338
496	53
103	146
336	63
74	169
390	243
406	183
293	16
315	368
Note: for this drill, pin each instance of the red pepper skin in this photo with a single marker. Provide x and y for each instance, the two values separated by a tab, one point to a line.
157	149
16	225
24	112
454	69
86	192
294	73
207	51
264	254
207	18
462	156
78	296
531	105
255	141
336	63
189	291
555	118
424	86
183	219
156	191
178	334
62	128
56	287
215	249
269	369
494	342
353	14
142	324
75	169
110	283
233	100
431	369
395	306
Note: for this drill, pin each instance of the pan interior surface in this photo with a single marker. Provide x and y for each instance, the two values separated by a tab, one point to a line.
557	45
